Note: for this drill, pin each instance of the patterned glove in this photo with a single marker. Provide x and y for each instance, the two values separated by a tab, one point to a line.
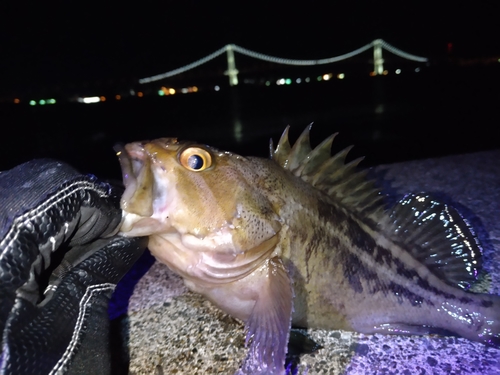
59	264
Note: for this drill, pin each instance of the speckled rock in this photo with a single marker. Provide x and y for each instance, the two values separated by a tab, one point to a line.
173	331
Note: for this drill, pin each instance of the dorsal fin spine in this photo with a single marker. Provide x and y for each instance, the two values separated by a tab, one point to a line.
329	174
330	166
300	149
317	156
282	151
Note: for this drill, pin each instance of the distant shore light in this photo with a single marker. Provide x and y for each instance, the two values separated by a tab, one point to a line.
89	99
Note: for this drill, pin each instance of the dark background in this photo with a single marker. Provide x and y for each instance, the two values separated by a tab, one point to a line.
70	49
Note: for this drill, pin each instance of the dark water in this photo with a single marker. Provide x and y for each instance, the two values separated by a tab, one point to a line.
388	119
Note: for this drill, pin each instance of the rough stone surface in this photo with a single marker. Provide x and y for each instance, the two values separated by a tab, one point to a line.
173	331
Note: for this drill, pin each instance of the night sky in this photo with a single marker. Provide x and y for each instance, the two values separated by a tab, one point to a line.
63	43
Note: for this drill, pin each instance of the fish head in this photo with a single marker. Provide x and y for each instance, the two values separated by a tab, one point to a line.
200	199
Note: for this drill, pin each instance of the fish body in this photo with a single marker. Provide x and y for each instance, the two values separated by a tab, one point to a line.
303	239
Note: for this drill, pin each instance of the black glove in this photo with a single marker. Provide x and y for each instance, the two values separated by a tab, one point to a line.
59	264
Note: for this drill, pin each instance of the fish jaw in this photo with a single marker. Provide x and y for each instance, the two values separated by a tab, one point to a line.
145	208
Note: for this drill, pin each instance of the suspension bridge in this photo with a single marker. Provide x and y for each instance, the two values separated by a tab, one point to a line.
232	72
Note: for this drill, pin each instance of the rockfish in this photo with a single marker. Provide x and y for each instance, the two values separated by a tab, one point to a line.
303	239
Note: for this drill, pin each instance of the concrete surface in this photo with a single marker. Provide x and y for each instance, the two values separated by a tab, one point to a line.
172	331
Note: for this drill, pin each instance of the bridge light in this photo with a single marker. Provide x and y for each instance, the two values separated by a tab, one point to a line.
398	71
340	76
51	101
288	81
32	102
41	102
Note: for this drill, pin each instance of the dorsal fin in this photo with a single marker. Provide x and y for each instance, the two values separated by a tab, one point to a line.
438	236
328	173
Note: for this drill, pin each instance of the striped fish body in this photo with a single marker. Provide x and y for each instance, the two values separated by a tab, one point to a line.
303	239
353	272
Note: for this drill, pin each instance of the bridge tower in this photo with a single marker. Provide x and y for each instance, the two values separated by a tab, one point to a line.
378	61
231	71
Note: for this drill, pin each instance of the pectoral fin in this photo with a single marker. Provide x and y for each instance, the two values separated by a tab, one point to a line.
268	326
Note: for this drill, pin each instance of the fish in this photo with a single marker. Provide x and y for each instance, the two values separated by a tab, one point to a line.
304	239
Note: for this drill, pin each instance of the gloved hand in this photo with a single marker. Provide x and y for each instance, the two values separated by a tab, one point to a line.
59	264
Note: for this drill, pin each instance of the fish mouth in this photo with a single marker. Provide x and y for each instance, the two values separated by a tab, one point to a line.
148	191
137	177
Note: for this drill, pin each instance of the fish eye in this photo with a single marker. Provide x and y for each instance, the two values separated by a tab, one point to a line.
195	159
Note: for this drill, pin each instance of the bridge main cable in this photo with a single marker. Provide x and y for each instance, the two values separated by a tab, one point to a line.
195	64
279	60
403	54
